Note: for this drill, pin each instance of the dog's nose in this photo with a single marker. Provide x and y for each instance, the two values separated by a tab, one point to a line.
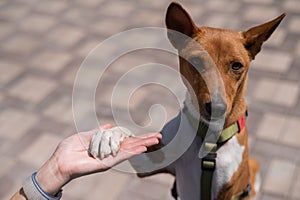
216	108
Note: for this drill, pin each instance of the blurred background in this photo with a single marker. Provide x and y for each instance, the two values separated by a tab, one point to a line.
43	44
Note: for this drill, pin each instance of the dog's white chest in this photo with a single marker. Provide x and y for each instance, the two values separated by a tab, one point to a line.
188	169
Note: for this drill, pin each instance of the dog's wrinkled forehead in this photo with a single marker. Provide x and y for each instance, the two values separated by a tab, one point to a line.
216	46
194	49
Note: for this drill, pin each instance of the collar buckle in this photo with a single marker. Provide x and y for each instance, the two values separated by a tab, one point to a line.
208	163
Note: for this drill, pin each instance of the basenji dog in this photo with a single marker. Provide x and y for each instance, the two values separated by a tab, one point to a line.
215	72
226	171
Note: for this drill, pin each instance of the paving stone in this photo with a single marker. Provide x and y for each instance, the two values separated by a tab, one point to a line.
109	27
5	29
37	23
85	49
144	16
294	24
29	2
65	36
260	14
70	76
297	49
33	88
271	149
61	110
20	44
3	3
259	1
118	9
139	189
196	12
279	177
230	6
271	126
117	179
99	185
280	128
14	123
290	131
282	93
292	5
18	172
90	3
164	179
277	39
5	182
13	12
270	197
13	187
51	7
52	61
41	149
222	21
8	71
153	4
75	188
79	15
296	185
6	164
273	61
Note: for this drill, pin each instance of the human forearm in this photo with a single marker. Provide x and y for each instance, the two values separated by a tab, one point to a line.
50	178
71	160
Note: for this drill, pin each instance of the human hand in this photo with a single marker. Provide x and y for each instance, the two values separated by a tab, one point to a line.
71	158
107	142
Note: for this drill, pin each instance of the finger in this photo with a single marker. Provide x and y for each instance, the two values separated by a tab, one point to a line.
135	151
147	135
147	142
144	136
105	126
141	147
126	154
135	142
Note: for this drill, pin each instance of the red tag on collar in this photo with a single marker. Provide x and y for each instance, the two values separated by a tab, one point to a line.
241	123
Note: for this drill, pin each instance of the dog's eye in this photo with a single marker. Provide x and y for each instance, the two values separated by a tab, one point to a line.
197	63
236	66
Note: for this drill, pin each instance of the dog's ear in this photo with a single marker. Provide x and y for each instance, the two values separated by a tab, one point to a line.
177	19
254	37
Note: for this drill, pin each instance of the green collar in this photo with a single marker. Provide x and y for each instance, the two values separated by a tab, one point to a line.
226	133
208	163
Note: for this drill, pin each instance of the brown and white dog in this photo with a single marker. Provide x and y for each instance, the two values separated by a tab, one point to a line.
231	53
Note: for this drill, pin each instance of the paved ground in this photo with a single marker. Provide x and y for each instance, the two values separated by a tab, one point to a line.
44	42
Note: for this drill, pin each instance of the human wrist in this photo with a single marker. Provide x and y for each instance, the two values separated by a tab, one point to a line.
33	191
50	178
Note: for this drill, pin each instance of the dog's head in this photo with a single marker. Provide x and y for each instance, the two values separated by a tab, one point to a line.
231	53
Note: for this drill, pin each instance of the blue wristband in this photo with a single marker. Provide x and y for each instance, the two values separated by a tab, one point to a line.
33	191
47	196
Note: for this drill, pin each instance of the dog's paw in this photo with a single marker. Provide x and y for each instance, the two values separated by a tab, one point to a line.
107	142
